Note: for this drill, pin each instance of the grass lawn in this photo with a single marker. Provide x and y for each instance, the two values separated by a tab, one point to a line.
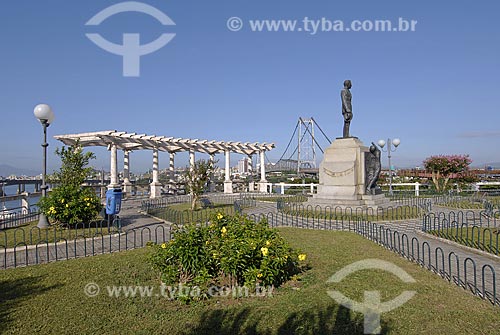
30	234
50	299
277	198
463	204
186	206
388	214
487	239
182	213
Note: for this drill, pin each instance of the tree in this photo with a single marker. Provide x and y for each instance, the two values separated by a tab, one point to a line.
197	178
69	202
74	168
443	167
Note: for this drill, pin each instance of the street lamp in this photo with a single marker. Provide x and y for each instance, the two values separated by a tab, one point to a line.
389	149
45	115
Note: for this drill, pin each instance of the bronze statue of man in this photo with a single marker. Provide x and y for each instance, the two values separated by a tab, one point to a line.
373	167
346	96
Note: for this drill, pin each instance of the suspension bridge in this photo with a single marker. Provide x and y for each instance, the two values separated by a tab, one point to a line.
300	155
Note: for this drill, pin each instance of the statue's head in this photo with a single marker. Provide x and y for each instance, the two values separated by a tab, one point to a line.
373	148
347	84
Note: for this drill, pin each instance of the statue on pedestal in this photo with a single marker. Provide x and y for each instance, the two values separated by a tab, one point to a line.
346	96
373	167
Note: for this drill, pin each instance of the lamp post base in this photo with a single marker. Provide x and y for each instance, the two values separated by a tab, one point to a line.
42	221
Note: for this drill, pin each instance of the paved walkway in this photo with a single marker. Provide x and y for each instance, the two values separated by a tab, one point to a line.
137	230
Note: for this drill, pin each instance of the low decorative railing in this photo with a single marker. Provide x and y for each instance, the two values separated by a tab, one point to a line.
392	213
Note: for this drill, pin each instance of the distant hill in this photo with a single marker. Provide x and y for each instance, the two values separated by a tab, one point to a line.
7	170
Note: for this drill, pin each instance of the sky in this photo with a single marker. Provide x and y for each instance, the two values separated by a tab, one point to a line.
435	88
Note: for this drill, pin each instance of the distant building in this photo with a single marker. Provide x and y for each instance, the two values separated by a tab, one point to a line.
245	165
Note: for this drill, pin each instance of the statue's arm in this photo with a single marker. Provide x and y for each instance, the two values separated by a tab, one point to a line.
377	155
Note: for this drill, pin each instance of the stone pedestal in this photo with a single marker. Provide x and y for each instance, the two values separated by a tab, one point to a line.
155	188
25	204
127	187
342	177
263	187
228	186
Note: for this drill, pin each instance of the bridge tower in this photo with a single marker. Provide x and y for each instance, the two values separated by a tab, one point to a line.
306	149
300	153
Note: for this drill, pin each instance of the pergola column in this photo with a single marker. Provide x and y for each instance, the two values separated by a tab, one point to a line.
171	172
263	181
113	183
251	182
103	188
127	185
191	159
228	184
211	184
155	185
25	204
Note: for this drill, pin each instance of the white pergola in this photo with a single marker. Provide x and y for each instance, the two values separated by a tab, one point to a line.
128	142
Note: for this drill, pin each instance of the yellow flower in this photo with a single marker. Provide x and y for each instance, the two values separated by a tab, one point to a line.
302	257
259	275
51	210
164	246
62	201
223	230
268	243
264	251
206	243
67	205
88	204
219	216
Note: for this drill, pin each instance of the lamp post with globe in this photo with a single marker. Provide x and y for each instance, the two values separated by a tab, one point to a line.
45	115
395	142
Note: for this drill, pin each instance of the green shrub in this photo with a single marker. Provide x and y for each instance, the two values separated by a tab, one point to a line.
70	205
229	251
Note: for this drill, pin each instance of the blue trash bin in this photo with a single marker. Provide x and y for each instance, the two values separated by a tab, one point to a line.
113	201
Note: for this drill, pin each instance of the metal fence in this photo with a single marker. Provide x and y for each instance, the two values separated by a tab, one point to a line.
18	216
246	202
464	272
187	216
332	212
23	247
224	199
19	247
469	217
474	231
401	200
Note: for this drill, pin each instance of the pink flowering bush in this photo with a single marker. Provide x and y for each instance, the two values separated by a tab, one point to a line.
443	167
